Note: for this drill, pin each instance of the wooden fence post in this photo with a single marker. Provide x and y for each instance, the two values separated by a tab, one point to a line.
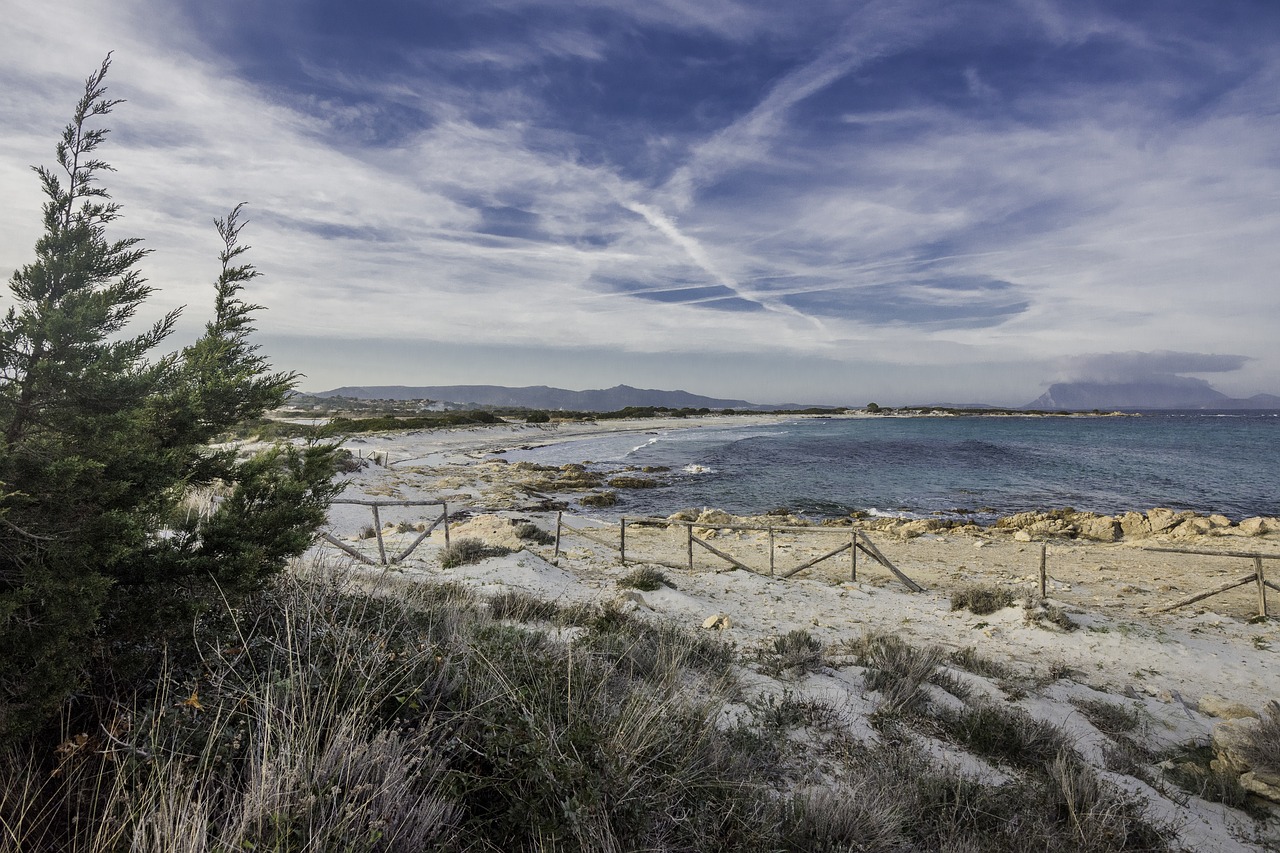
853	555
444	506
559	521
377	531
1044	548
688	543
770	552
622	540
1262	588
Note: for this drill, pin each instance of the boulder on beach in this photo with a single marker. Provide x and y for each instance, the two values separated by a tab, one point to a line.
715	518
1228	740
1103	528
1134	525
1258	526
1193	526
1163	520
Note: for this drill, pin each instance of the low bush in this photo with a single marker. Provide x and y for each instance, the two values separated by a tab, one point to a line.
531	532
1191	767
1004	733
1040	612
982	599
1108	717
465	551
322	716
1262	746
970	660
646	579
522	607
897	670
794	651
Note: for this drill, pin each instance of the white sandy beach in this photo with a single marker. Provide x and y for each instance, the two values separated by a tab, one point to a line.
1176	666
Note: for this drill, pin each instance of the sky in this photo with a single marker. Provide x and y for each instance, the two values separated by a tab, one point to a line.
824	201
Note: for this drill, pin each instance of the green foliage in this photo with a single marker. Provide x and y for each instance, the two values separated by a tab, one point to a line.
1005	733
982	599
533	533
646	579
321	715
898	670
100	445
462	552
537	418
795	651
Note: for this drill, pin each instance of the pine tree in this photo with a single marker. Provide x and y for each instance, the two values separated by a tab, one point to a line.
101	442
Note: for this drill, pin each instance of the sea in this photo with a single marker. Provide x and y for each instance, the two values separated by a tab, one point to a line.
978	467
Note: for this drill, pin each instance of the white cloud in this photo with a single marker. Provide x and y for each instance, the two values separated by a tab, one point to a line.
1125	224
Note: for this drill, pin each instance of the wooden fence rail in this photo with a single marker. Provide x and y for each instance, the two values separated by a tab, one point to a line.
1258	577
858	541
377	530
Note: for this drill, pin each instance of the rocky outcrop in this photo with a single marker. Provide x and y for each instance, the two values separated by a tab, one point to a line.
1159	522
1135	525
1178	527
1216	706
1233	740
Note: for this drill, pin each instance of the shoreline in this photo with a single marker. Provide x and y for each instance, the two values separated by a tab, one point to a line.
490	444
1102	633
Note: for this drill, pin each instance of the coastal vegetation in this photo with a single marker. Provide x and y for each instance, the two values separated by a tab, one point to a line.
326	713
120	523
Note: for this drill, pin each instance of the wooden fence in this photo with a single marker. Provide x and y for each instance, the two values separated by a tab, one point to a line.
377	530
1257	578
857	542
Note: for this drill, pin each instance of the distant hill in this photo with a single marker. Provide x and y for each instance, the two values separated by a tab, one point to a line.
543	397
1106	396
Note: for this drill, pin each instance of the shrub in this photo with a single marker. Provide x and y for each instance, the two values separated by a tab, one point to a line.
522	607
897	670
1192	768
645	579
1005	733
982	599
533	533
537	418
1108	717
1039	612
970	660
465	551
795	650
1262	746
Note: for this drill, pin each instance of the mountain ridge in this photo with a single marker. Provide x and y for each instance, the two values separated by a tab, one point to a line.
545	397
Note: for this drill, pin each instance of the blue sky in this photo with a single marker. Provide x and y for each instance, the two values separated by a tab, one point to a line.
818	201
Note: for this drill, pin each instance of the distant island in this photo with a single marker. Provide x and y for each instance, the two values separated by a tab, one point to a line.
1186	394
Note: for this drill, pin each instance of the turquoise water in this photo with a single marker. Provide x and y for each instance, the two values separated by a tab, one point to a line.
1225	463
